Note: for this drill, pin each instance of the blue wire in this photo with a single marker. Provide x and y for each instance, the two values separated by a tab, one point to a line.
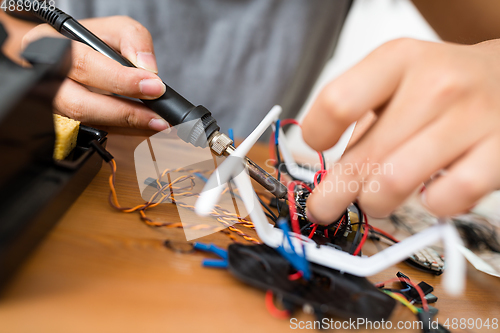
277	132
199	175
299	262
230	134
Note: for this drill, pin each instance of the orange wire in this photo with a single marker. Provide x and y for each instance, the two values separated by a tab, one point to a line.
226	218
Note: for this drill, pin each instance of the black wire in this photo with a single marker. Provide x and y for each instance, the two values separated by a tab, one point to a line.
273	216
278	162
382	235
306	226
319	177
377	243
356	240
324	161
359	211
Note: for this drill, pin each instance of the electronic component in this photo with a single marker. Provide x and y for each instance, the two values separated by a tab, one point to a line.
328	256
431	298
328	292
411	292
428	260
343	234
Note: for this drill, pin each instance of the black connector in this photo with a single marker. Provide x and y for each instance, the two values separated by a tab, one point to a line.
425	318
106	156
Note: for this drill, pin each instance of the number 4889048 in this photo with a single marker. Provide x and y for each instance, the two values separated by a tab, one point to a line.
471	323
27	5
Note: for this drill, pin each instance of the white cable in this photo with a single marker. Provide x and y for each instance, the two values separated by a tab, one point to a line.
291	166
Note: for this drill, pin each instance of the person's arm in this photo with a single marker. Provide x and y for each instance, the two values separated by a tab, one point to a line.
437	108
462	21
76	98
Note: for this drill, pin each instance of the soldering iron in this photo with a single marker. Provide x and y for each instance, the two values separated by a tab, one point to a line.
171	106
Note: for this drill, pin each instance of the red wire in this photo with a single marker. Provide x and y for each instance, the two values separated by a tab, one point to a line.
388	235
321	161
365	236
304	185
316	178
326	233
417	288
313	230
273	310
322	172
290	121
338	227
295	276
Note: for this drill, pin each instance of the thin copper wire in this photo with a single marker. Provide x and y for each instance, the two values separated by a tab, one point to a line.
226	218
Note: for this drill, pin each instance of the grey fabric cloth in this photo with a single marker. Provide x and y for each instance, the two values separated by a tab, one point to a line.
236	57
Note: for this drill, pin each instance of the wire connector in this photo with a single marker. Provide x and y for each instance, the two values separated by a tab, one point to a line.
106	156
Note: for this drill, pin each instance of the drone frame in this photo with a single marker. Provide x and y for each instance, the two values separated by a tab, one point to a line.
454	276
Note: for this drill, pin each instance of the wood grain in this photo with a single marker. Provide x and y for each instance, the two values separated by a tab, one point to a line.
100	270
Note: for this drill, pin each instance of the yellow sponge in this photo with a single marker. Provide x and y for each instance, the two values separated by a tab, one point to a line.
66	135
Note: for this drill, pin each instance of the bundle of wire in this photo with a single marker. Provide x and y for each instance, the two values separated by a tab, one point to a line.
295	184
164	193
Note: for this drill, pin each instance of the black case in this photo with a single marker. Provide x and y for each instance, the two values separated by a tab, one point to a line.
35	190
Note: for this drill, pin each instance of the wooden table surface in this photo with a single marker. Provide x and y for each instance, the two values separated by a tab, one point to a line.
100	270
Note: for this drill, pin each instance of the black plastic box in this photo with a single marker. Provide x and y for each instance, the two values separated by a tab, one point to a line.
35	209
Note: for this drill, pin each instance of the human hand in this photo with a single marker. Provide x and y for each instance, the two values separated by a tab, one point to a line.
94	70
437	107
